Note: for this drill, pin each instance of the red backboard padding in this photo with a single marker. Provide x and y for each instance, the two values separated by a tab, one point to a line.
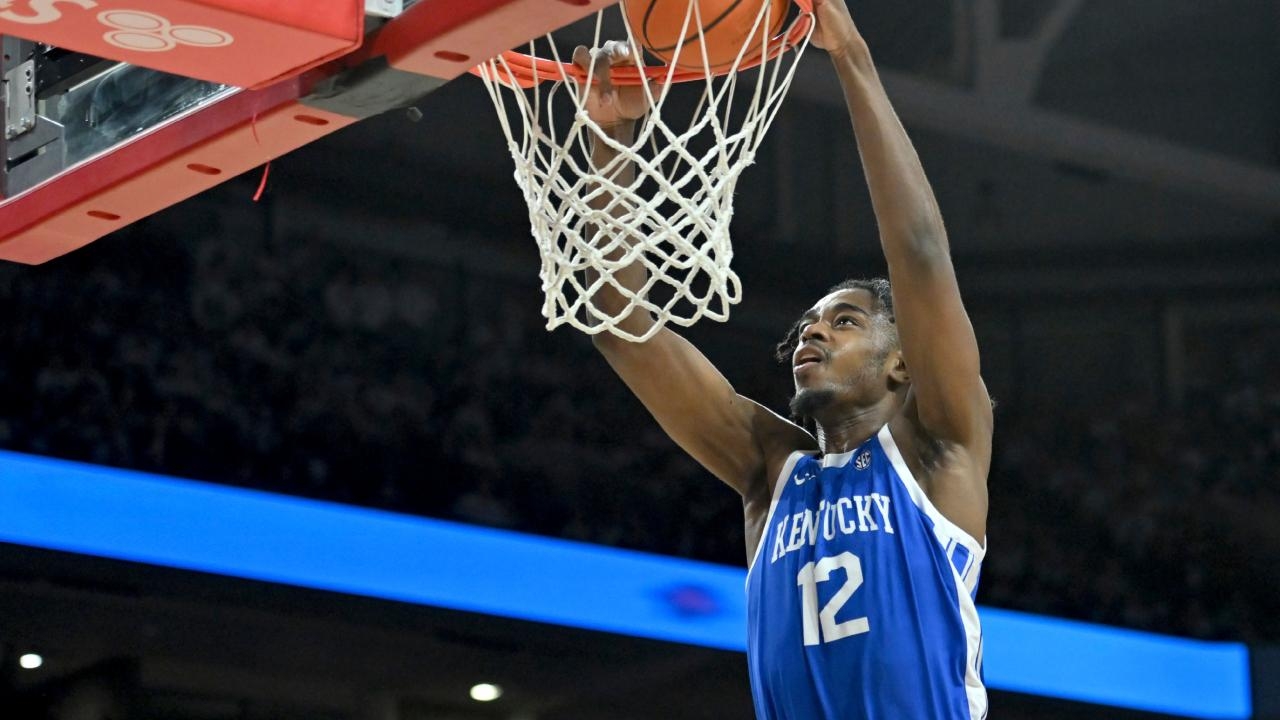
327	17
248	43
177	161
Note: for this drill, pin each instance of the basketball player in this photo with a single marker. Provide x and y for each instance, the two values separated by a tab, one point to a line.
865	539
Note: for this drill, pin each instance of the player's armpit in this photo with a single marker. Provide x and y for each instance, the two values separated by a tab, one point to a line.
733	437
952	474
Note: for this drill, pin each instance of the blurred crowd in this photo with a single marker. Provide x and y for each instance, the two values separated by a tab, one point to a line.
301	367
1142	518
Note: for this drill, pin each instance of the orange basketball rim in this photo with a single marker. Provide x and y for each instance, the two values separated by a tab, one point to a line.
526	70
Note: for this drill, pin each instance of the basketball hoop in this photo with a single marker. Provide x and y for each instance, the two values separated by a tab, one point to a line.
674	217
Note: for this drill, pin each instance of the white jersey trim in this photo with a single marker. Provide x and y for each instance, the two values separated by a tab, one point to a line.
974	690
948	535
785	475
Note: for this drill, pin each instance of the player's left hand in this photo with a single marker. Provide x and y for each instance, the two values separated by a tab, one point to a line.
609	104
834	29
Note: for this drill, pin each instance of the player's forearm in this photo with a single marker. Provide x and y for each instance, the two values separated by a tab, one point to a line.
603	156
906	210
609	299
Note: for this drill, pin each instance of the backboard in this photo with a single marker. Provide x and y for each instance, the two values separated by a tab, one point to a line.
115	110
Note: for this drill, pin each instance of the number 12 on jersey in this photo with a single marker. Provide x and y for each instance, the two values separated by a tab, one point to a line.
813	573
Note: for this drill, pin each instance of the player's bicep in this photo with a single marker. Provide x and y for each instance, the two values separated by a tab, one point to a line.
694	404
941	352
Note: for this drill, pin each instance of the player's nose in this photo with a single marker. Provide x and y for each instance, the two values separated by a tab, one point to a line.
814	330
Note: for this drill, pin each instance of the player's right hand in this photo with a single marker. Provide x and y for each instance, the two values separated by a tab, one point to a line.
835	30
608	104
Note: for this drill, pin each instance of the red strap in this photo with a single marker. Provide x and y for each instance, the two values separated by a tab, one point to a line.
262	184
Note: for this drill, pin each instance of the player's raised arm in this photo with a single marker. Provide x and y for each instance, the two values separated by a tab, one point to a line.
735	438
938	343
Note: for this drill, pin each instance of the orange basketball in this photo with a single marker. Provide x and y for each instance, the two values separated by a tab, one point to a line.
725	26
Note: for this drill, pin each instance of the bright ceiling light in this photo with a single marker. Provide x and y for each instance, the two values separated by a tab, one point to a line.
484	692
30	661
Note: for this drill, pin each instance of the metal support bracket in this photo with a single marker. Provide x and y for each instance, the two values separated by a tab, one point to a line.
369	89
32	144
33	157
19	98
384	8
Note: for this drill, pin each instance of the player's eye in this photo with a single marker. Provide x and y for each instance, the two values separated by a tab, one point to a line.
846	320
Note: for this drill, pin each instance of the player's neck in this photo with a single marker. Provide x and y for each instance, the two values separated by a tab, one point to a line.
851	429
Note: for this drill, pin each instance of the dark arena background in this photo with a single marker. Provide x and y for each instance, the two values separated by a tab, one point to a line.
315	456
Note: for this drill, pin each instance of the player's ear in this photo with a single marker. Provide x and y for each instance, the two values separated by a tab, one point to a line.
897	367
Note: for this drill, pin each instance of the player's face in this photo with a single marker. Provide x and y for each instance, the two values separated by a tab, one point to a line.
840	348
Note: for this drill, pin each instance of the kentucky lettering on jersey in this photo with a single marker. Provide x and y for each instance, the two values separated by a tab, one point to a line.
860	597
846	515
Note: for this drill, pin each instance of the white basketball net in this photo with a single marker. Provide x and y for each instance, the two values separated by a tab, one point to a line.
674	218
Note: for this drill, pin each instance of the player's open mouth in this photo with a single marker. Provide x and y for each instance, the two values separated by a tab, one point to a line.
808	358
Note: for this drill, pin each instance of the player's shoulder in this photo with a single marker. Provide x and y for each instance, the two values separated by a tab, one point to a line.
778	439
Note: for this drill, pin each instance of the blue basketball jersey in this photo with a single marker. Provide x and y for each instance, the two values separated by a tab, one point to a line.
861	596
